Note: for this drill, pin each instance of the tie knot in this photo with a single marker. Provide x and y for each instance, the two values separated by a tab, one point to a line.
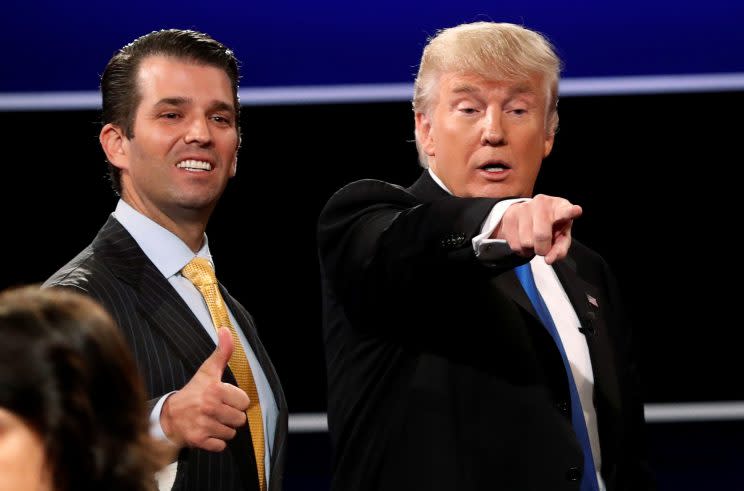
199	272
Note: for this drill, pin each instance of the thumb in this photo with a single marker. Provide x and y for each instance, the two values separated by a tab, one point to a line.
217	361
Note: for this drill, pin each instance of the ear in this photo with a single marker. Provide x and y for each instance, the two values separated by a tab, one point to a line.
548	145
234	168
425	134
114	144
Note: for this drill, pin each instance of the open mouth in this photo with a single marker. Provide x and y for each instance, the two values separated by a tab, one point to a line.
194	165
494	167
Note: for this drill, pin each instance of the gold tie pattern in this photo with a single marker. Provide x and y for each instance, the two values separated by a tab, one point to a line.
199	271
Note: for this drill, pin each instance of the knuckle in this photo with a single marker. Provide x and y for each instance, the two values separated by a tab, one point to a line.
518	209
209	409
201	424
196	438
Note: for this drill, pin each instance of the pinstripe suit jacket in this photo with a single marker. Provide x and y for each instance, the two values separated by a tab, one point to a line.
169	345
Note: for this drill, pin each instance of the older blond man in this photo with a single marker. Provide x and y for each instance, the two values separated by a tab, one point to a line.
470	343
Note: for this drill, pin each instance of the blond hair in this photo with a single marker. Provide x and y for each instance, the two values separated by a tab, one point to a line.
496	51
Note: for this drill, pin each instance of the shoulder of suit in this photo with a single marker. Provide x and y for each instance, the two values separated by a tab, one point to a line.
80	273
361	198
369	191
369	187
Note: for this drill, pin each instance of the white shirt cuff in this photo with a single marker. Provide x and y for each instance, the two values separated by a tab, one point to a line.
156	430
487	249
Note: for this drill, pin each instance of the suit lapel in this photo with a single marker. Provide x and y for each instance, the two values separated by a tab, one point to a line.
588	305
158	300
508	283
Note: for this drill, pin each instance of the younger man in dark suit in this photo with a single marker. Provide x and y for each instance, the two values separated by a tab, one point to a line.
470	343
171	136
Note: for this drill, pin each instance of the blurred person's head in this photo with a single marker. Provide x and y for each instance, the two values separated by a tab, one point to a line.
73	412
485	103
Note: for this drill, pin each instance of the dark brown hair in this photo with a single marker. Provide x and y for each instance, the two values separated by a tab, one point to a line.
67	372
119	80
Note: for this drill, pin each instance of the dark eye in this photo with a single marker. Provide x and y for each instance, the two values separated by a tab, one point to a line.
519	112
221	119
468	110
169	115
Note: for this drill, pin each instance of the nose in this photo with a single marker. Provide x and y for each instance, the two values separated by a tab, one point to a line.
198	131
493	131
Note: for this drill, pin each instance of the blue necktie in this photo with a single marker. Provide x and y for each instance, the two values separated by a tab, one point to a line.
589	479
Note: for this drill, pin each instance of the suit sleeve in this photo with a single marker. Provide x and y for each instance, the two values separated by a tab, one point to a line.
381	245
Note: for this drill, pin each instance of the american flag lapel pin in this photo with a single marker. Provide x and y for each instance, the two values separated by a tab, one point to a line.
592	300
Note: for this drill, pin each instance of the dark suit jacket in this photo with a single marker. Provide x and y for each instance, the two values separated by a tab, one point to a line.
169	345
440	374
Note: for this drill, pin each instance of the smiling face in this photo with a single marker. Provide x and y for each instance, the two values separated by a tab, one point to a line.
185	142
486	138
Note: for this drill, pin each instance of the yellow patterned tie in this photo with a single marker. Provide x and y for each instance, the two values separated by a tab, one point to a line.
201	274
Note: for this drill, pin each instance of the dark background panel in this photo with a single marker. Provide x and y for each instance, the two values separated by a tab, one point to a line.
62	45
654	173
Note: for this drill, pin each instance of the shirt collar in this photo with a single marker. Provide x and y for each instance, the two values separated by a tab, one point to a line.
167	252
438	181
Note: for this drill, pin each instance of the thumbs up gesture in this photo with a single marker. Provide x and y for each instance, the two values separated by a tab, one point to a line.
207	411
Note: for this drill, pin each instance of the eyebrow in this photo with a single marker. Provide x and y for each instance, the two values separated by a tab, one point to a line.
471	89
522	89
182	101
222	106
173	101
465	89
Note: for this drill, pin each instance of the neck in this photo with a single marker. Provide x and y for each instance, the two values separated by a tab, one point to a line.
188	225
192	233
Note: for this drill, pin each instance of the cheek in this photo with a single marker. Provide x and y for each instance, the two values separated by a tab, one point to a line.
228	148
457	143
21	458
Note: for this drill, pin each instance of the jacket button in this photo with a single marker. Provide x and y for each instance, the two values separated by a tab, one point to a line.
573	474
562	406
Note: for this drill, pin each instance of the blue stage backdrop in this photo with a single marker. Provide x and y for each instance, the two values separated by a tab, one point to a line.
62	46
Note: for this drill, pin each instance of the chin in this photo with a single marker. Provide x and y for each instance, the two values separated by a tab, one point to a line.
490	190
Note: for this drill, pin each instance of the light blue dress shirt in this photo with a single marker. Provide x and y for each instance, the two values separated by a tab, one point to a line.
170	254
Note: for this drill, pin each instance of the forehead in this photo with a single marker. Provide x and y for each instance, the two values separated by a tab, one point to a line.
161	76
453	83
